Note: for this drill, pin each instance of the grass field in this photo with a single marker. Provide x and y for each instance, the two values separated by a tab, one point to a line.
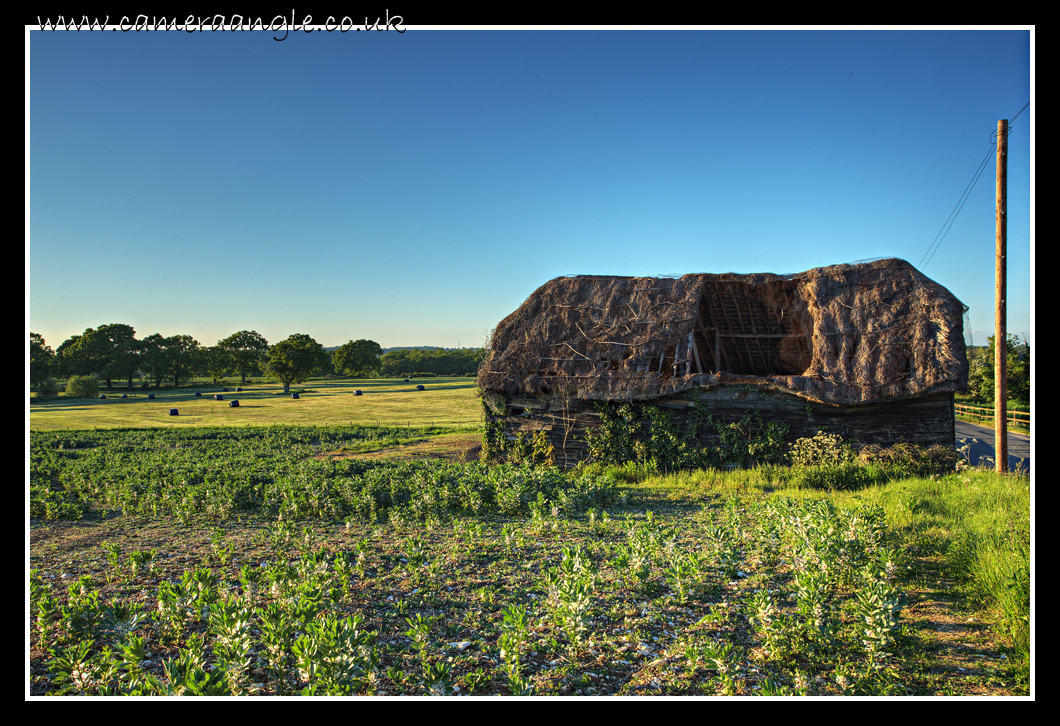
387	402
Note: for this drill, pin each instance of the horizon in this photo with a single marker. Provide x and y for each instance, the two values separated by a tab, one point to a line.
415	188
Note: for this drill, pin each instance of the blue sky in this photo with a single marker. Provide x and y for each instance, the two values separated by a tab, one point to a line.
415	188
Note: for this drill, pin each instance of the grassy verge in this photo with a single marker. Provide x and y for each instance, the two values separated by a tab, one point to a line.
465	580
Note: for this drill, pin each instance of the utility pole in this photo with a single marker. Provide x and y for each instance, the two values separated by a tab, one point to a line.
1000	327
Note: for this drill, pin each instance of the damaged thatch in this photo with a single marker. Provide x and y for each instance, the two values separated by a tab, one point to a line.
844	334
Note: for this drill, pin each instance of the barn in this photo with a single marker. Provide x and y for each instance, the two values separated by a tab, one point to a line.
872	351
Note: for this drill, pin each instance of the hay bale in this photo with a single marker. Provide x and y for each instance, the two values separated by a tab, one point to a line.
357	393
294	395
198	393
233	404
420	388
102	395
172	412
218	397
150	396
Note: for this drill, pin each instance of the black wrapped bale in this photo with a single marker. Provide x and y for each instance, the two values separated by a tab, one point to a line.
233	404
294	395
420	388
218	397
172	412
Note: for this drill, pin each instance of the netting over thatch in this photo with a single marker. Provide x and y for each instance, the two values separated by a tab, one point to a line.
844	334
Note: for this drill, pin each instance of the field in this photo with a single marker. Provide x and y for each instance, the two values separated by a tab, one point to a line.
351	558
389	402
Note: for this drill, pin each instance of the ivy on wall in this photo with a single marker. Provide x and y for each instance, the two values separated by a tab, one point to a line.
526	448
645	433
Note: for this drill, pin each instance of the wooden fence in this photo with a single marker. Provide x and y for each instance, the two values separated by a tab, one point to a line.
1018	418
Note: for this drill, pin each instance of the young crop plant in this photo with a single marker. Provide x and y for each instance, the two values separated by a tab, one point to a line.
726	551
877	608
276	638
220	550
113	552
683	576
814	605
336	656
142	562
229	624
775	627
721	658
515	635
570	588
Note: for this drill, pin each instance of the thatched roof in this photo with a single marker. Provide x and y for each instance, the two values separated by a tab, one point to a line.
845	334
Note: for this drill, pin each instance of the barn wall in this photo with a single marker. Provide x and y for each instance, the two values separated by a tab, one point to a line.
923	421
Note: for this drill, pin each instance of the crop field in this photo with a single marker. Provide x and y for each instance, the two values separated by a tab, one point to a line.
351	559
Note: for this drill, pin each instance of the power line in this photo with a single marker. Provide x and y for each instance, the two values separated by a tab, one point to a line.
948	224
937	242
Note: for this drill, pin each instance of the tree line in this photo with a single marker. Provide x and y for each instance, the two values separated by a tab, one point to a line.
113	353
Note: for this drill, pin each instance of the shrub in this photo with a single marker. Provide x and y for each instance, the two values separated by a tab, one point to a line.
82	387
821	450
912	460
47	389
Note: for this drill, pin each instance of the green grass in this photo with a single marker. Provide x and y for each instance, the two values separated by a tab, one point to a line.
385	402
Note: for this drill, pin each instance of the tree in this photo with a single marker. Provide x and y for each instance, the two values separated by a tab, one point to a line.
185	357
178	357
217	362
155	358
357	358
109	351
119	352
1017	362
80	355
295	359
41	360
248	350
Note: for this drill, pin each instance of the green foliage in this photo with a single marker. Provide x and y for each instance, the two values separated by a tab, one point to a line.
526	448
647	434
296	359
1018	368
246	350
826	462
272	471
822	449
41	362
82	387
357	359
48	388
824	617
413	361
